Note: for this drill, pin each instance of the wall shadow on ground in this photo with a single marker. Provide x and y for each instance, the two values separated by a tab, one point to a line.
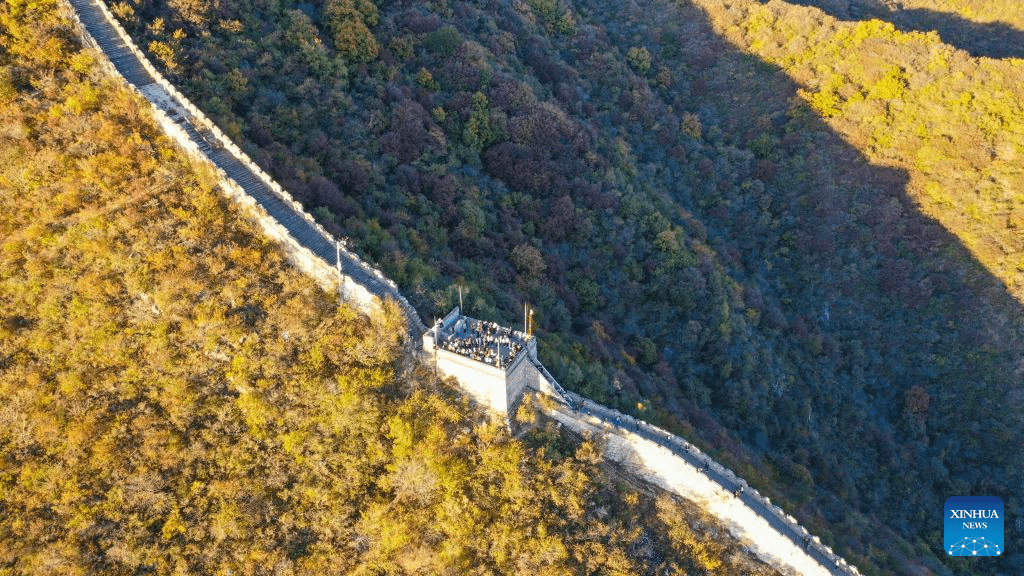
989	39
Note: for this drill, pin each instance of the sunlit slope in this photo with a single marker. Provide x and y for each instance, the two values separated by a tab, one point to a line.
980	11
954	122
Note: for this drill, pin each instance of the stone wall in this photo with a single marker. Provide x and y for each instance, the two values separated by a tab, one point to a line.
484	383
520	376
162	94
674	464
310	264
652	453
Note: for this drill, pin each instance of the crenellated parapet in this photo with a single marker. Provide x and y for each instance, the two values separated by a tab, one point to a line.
492	363
307	244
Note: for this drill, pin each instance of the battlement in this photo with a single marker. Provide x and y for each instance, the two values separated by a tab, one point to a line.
492	363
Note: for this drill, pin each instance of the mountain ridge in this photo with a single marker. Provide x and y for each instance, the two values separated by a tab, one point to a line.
179	119
742	272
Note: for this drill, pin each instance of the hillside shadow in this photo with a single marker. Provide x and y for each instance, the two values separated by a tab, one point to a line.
988	39
837	259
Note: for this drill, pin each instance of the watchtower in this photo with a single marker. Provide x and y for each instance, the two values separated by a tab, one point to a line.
492	363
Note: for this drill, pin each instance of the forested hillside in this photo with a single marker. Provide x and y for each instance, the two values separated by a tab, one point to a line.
992	28
784	229
176	399
954	123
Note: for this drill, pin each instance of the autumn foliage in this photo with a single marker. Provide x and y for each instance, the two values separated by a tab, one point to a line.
175	398
765	225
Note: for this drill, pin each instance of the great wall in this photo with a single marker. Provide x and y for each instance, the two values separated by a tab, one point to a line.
649	452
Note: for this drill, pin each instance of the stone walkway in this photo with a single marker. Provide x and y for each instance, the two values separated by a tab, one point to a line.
573	410
298	225
680	467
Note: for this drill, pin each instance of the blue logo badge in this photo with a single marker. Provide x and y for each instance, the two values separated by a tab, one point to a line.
974	526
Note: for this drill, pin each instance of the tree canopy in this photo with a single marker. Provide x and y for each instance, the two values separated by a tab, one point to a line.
176	398
765	225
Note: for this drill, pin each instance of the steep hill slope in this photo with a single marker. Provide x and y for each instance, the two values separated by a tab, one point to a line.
174	398
708	244
984	28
